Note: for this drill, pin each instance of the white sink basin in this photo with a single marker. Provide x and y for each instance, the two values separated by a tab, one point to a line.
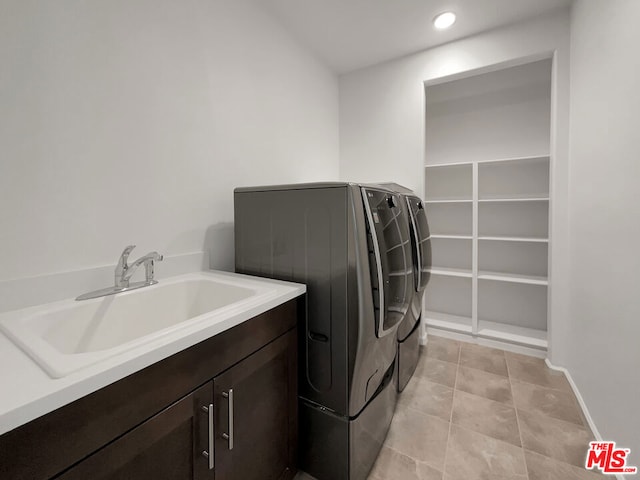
68	336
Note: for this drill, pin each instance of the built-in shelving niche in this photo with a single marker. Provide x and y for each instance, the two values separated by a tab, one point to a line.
487	197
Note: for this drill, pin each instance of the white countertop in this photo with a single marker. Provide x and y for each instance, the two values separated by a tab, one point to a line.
27	392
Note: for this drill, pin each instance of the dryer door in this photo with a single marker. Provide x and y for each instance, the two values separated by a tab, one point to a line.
422	239
390	257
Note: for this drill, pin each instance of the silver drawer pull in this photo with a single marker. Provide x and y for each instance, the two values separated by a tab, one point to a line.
229	436
209	454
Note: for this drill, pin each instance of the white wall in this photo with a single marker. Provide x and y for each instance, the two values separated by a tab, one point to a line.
131	122
604	353
382	123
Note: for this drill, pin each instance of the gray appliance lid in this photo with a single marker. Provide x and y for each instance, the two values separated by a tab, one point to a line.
396	187
306	186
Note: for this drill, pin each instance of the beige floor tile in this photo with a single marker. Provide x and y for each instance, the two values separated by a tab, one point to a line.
437	371
473	456
427	397
547	401
443	348
545	468
419	436
392	465
483	358
534	370
484	384
553	438
486	416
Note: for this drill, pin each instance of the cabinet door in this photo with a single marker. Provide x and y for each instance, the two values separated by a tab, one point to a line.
256	415
168	446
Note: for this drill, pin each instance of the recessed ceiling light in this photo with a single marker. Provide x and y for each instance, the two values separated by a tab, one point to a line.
444	20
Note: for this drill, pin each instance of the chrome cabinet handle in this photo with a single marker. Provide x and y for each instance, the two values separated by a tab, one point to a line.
229	436
209	455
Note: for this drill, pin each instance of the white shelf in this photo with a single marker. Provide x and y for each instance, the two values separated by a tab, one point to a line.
515	199
499	238
447	321
444	165
527	158
452	200
512	333
512	277
452	237
450	272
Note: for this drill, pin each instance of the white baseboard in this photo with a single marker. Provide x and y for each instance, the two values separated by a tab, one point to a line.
576	392
583	405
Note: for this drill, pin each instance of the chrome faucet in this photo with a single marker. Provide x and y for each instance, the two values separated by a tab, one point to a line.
124	271
123	274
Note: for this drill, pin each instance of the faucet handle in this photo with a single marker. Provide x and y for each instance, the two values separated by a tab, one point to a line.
125	255
122	265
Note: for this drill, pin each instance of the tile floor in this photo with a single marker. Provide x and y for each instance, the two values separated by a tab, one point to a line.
477	413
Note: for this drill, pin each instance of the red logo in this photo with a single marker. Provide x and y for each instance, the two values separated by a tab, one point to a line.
608	458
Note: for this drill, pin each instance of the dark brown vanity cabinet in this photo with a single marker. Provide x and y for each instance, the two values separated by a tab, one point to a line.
235	420
256	415
167	446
